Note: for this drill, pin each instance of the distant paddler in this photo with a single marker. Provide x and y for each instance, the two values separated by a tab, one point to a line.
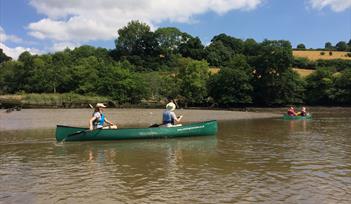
98	119
302	112
291	111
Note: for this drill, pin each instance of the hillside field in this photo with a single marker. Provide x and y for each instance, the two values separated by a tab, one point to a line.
316	55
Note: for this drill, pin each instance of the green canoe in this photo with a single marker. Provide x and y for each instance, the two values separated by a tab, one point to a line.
66	133
288	117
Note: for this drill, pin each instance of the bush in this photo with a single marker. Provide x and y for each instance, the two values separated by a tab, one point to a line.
301	46
322	53
302	62
338	64
330	53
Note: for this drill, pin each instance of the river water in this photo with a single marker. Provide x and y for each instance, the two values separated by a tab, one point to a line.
248	161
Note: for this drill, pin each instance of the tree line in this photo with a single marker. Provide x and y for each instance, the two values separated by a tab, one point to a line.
151	65
328	46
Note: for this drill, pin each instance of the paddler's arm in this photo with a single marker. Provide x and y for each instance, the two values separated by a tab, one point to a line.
175	118
91	123
108	122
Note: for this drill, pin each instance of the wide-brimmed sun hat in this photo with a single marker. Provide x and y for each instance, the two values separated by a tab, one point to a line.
171	106
100	105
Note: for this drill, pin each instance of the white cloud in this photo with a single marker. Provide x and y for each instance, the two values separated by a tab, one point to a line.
16	51
335	5
4	37
82	20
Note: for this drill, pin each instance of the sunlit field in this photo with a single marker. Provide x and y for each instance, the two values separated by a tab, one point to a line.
316	55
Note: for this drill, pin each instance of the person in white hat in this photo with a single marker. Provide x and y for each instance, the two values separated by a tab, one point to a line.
98	118
169	118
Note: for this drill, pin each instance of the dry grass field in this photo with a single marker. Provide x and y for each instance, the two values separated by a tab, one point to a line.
214	70
303	72
316	55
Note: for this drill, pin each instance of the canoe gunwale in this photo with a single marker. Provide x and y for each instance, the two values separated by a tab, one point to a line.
195	123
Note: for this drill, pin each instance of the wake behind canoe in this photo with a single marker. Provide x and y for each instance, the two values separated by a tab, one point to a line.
68	133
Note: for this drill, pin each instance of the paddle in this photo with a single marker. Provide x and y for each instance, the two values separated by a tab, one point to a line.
82	131
172	100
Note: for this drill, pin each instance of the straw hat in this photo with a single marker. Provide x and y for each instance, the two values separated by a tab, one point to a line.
100	105
171	106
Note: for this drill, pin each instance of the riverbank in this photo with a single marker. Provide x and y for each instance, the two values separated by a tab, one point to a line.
49	118
66	100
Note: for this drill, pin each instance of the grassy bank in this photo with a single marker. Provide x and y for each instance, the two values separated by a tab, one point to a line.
66	100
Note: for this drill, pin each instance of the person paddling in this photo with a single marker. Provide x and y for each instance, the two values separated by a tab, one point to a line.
169	118
302	112
98	119
291	112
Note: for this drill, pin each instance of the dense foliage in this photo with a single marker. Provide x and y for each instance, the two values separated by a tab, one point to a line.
338	64
3	57
150	66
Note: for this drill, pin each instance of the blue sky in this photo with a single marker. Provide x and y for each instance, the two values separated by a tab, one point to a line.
42	26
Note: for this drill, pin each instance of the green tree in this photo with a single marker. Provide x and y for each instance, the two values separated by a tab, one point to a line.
25	72
235	44
272	60
341	93
290	88
301	46
170	86
61	72
217	54
85	75
250	47
169	39
341	46
40	82
84	51
4	57
121	84
137	44
129	36
192	48
193	76
11	76
328	46
232	85
319	86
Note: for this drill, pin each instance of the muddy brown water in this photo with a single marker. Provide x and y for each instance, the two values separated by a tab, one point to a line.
252	160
